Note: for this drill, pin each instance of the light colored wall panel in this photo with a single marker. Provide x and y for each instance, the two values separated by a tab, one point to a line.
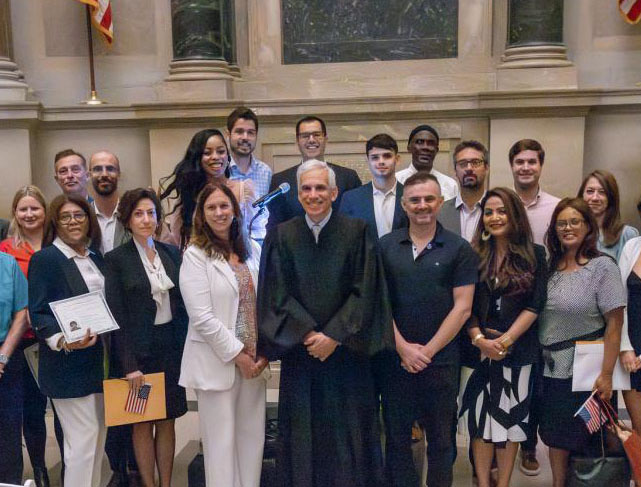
15	165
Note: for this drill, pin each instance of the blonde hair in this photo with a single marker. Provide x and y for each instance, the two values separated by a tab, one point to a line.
15	231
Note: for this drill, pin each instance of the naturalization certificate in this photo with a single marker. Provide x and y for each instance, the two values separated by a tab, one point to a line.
81	313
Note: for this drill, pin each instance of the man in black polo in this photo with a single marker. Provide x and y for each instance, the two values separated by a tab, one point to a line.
420	381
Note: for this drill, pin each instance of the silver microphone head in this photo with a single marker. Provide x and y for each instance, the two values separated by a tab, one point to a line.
284	187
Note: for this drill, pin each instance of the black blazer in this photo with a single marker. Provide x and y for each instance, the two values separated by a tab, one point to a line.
61	375
128	294
287	206
359	203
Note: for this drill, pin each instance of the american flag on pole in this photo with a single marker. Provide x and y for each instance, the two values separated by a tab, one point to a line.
591	414
631	10
101	17
137	402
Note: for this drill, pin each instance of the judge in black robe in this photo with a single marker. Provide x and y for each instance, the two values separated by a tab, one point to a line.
328	415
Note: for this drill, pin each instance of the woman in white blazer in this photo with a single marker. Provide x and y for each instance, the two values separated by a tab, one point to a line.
218	280
630	265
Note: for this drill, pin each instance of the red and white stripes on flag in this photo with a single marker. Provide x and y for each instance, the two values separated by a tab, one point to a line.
631	10
137	400
591	414
101	17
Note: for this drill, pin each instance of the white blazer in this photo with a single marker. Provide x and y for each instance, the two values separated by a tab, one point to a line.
210	292
627	259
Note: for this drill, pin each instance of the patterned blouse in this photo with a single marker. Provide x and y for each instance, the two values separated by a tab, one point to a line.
246	330
576	304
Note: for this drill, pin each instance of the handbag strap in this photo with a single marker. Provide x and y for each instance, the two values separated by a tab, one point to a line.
565	344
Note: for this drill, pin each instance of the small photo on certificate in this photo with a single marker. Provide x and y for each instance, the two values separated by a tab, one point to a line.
81	313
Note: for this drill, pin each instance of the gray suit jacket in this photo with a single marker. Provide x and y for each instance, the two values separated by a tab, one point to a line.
450	217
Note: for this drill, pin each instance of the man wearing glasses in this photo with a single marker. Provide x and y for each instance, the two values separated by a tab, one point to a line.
311	138
70	172
461	214
104	167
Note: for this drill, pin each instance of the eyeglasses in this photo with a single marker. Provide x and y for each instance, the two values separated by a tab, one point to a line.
66	218
572	223
309	135
108	169
473	163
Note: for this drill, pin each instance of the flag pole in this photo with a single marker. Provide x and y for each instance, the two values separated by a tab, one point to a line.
94	100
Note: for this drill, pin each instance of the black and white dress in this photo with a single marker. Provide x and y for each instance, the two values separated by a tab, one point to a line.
495	405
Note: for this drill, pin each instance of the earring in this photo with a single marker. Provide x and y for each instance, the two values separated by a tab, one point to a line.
485	235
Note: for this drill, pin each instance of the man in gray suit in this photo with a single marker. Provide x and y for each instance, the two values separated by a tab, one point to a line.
461	214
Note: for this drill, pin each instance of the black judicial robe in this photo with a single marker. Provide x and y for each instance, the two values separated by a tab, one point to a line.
328	415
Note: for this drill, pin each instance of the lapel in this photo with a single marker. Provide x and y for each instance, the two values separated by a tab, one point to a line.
119	234
399	213
222	267
138	267
73	277
368	207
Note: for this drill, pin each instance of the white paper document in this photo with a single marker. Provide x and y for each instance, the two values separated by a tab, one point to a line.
588	359
81	313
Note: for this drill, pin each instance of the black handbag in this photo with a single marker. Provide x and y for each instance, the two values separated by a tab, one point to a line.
612	470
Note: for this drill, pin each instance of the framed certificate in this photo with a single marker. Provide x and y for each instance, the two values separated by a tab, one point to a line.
81	313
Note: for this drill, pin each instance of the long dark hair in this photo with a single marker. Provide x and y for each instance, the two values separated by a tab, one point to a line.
516	273
188	179
588	249
202	235
93	229
612	224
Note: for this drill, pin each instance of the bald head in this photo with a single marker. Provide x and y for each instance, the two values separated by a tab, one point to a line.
104	168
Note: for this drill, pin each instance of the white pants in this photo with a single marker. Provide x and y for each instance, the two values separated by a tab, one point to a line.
232	427
83	424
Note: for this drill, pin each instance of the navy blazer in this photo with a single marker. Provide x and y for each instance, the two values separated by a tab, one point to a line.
128	294
52	277
359	203
287	206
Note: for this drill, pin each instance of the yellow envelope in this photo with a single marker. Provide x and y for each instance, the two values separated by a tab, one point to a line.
116	393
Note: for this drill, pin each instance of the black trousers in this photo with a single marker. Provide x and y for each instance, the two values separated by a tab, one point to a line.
11	402
430	397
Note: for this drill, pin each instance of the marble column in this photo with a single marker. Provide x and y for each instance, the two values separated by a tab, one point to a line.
204	50
12	86
535	56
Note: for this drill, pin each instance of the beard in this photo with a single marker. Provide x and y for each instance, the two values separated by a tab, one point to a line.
106	189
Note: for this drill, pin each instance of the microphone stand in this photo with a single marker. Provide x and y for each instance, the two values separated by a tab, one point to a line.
261	210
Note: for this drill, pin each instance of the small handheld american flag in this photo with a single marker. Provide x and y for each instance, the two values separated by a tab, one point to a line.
137	402
591	414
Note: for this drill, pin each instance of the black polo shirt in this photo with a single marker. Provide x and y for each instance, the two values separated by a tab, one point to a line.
421	290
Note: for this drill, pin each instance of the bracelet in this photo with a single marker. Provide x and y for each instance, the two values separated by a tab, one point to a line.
506	341
477	338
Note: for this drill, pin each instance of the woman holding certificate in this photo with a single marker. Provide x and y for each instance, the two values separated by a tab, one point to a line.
585	302
218	280
141	284
70	374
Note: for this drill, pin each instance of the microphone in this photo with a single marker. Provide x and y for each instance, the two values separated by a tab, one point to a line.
262	201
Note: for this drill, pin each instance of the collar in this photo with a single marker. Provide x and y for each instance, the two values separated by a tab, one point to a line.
376	191
141	249
535	200
404	236
68	252
322	223
99	213
459	201
233	166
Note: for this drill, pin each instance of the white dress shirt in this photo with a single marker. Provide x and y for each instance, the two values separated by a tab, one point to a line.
317	227
449	187
384	205
92	276
469	217
160	284
107	228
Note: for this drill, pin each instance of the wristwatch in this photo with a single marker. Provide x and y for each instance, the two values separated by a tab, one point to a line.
4	360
